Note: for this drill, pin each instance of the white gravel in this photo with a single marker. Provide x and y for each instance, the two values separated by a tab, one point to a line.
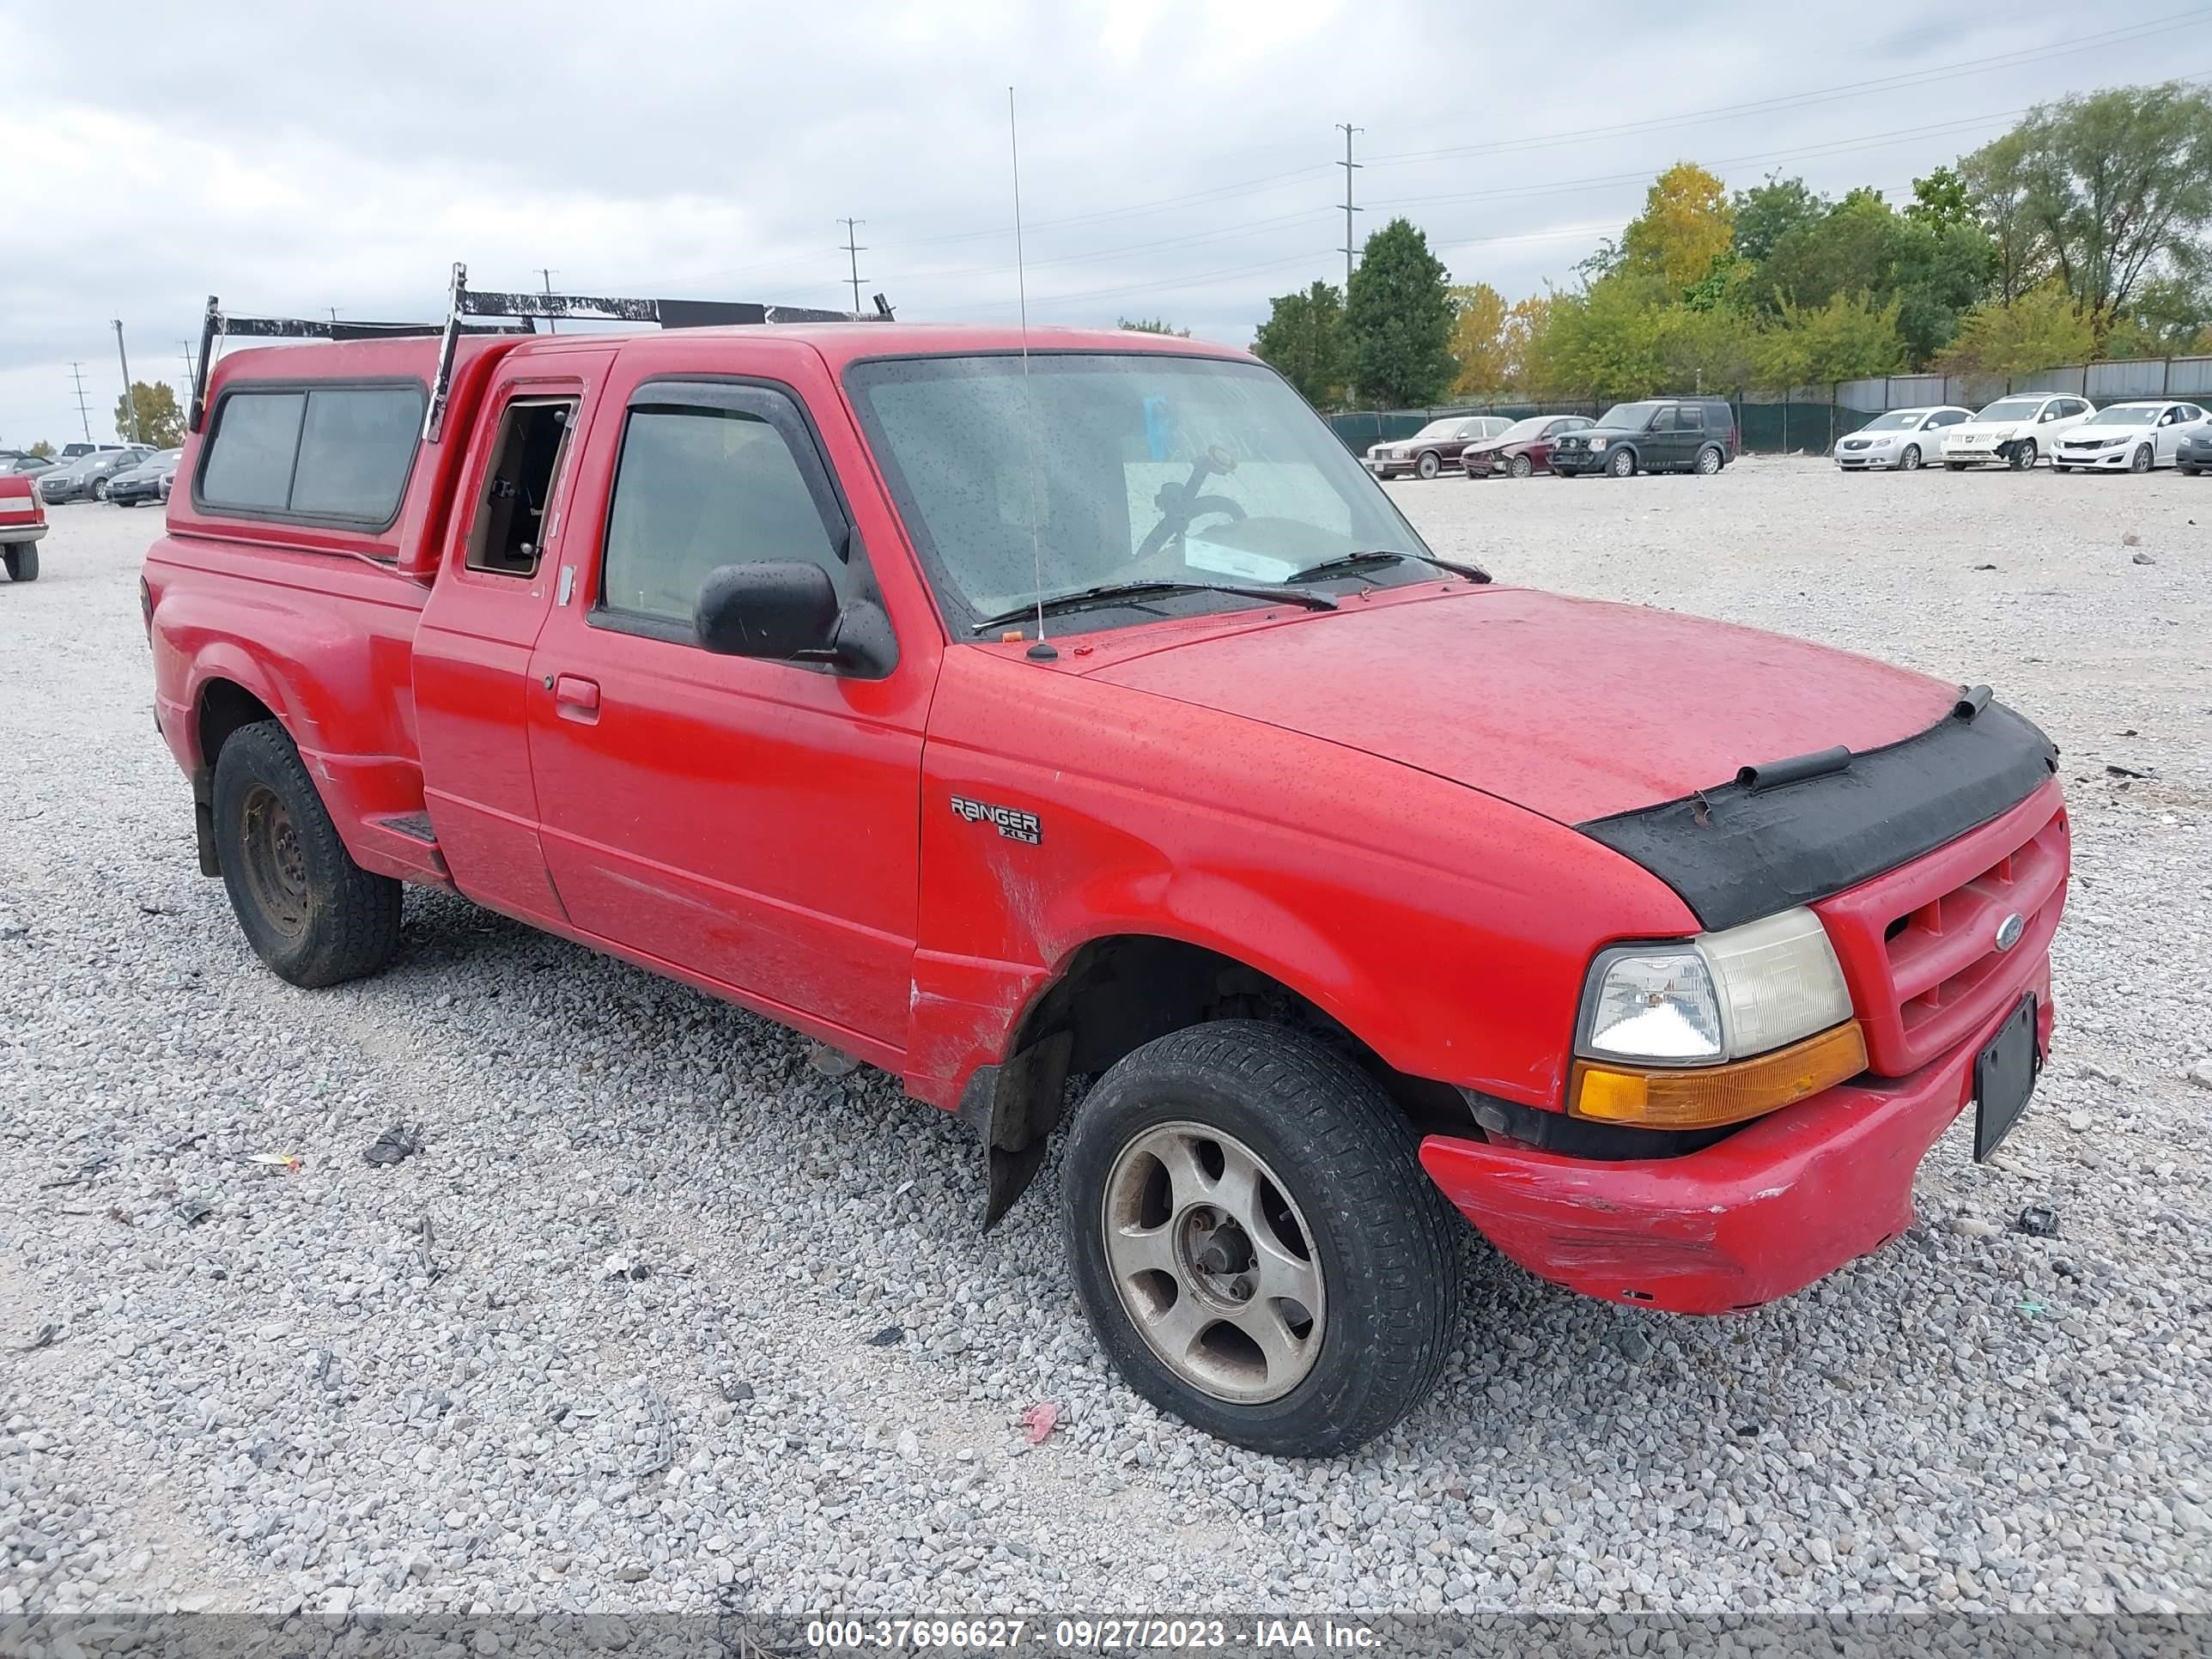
610	1339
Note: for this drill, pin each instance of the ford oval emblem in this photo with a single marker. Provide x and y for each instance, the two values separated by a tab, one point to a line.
2010	929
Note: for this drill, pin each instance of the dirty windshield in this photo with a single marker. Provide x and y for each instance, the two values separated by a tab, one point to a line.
1097	469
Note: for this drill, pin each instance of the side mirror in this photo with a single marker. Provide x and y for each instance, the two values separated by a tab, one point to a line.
786	610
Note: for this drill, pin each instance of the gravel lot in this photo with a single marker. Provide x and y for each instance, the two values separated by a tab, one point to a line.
616	1337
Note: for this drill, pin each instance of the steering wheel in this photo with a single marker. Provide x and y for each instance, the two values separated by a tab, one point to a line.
1179	507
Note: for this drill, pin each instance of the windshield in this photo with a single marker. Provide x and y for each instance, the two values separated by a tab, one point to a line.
1438	429
1633	417
1896	421
2011	409
2124	414
1521	431
1108	468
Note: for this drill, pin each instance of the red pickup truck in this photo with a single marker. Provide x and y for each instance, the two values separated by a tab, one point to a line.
1068	725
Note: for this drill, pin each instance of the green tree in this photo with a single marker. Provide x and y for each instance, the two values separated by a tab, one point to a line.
2170	317
1154	326
2045	327
1398	320
1525	322
1604	343
1479	344
1686	223
2118	185
1304	339
43	450
1846	340
161	423
1706	349
1996	177
1934	272
1766	213
1940	201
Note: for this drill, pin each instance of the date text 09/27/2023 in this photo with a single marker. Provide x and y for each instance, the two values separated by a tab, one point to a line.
1111	1633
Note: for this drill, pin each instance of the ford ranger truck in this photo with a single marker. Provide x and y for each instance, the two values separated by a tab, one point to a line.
1081	723
22	525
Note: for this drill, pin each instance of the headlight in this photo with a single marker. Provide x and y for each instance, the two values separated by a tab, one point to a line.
1596	443
1716	1029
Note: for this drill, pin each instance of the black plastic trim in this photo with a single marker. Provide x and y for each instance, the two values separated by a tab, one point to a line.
1736	854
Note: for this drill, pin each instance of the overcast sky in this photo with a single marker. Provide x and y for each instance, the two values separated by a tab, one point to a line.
1176	159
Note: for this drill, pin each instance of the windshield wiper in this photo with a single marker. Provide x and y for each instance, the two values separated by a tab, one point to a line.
1113	592
1376	556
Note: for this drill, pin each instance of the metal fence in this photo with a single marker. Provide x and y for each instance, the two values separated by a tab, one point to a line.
1809	419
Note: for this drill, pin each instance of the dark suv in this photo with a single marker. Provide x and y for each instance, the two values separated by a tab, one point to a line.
1656	435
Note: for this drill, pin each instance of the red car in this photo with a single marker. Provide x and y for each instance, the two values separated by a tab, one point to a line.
1522	448
22	525
1149	749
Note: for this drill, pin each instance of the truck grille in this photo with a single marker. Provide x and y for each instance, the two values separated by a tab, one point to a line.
1919	945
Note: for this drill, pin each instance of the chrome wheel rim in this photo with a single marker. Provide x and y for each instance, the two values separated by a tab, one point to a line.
1708	463
1910	459
1213	1262
2141	463
276	864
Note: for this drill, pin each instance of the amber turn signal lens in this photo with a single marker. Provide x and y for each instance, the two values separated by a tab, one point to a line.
1703	1098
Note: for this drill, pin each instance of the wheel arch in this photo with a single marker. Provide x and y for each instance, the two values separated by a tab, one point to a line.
222	708
1114	994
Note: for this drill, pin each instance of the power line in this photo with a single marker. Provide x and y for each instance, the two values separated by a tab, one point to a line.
83	414
853	252
1350	168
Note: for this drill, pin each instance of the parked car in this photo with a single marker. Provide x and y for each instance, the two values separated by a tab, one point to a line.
22	526
2127	437
723	651
2193	454
1904	439
1654	435
1436	446
86	478
23	464
1522	448
78	451
143	481
2015	432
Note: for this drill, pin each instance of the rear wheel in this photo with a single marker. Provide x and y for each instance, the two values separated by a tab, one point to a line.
1430	464
1623	464
2141	461
1255	1245
22	561
309	911
1708	461
1910	461
1522	467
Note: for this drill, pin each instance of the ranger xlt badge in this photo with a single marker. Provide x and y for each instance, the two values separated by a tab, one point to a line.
1014	826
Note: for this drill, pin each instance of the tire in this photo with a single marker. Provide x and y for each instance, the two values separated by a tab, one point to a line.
22	561
2142	460
1708	462
1954	466
1338	1192
309	911
1909	460
1622	463
99	490
133	501
2060	466
2189	471
1521	466
2023	457
1430	464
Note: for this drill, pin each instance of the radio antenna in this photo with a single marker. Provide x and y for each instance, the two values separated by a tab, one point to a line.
1042	651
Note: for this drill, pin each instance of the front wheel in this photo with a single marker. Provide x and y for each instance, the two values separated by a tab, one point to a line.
308	910
1910	461
1954	466
2141	461
99	490
1522	467
1622	466
1430	464
2023	456
1708	462
22	561
1254	1243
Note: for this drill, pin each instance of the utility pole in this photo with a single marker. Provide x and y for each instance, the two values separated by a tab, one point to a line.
130	402
853	252
1350	166
83	414
546	271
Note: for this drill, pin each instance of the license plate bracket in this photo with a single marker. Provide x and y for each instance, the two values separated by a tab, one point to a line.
2004	1076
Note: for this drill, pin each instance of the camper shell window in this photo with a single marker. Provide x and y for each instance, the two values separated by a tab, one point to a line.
316	454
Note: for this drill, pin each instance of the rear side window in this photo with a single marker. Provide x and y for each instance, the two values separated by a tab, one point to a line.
323	452
1690	417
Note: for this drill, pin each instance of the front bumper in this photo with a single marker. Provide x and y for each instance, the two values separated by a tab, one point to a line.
1860	460
2112	460
1579	460
1389	468
1752	1219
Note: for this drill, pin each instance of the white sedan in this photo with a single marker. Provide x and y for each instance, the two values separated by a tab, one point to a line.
2016	431
1904	439
2128	438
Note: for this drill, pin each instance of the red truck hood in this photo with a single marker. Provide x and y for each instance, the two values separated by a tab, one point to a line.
1572	707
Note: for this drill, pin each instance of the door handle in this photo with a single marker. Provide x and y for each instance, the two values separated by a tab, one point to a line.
576	698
